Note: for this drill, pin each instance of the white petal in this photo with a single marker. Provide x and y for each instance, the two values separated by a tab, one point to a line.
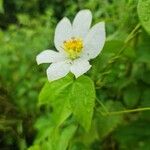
49	56
63	32
79	67
82	23
94	41
58	70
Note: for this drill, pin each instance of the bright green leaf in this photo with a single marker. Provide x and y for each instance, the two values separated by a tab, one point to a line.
80	94
34	147
62	109
144	14
82	99
57	95
55	90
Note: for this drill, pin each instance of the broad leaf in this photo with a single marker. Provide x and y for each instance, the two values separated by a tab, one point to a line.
78	93
82	97
55	90
62	109
57	95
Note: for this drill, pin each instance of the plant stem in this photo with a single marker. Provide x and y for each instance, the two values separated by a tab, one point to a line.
108	113
131	35
127	111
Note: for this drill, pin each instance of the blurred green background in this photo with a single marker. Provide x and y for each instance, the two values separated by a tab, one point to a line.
27	28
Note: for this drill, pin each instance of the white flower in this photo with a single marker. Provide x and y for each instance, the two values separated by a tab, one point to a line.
76	44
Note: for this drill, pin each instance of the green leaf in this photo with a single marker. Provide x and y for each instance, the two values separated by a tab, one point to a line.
144	14
57	95
78	93
55	90
65	137
106	124
62	109
87	138
59	138
34	147
44	126
82	97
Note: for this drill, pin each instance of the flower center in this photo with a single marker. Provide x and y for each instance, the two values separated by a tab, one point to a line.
73	47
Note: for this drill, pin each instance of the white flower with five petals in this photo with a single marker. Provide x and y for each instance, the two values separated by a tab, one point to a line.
76	43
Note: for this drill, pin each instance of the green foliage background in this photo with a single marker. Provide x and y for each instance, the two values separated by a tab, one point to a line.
121	76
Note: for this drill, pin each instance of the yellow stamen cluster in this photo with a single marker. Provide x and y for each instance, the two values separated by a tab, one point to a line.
73	47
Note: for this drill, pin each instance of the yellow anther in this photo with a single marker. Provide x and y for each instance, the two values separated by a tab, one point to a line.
73	47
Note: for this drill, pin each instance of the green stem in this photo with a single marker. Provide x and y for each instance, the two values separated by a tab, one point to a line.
127	111
131	35
108	113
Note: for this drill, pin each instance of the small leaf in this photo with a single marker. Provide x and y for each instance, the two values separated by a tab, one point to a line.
82	99
144	14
